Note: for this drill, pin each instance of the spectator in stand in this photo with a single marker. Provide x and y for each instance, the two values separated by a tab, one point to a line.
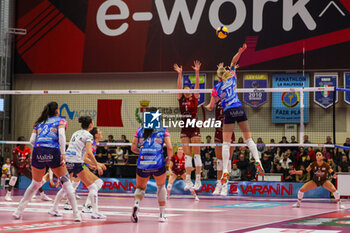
126	159
280	170
343	166
110	149
290	155
301	155
245	151
267	163
331	163
273	149
278	154
240	140
100	158
235	172
303	178
306	139
251	174
243	164
312	153
294	149
329	141
207	149
284	141
5	172
260	145
109	165
126	149
119	155
289	177
285	160
215	170
347	143
207	166
326	154
307	161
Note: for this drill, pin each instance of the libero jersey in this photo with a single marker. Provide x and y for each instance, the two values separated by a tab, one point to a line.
47	133
151	151
227	93
76	149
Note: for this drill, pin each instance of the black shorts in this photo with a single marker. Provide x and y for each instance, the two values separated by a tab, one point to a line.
46	157
235	114
319	183
145	173
75	168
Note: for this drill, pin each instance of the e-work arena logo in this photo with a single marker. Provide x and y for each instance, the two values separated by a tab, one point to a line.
151	120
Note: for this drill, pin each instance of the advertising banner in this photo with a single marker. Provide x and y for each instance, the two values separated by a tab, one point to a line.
325	98
255	99
286	105
236	188
347	85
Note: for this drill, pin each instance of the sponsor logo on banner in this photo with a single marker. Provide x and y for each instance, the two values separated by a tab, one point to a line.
325	98
190	80
347	86
286	105
240	188
151	120
66	113
256	81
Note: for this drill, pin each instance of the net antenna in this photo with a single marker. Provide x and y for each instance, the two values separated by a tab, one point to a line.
302	126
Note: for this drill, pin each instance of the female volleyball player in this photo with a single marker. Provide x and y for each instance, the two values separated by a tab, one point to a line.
225	90
177	168
49	142
81	143
20	165
219	115
188	108
150	162
321	169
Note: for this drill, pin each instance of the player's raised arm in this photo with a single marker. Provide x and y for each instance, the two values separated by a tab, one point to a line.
238	55
178	69
196	66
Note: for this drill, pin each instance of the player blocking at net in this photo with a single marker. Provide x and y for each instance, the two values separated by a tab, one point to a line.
225	90
188	107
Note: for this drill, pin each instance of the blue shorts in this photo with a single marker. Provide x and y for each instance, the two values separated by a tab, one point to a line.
75	168
145	173
235	114
46	157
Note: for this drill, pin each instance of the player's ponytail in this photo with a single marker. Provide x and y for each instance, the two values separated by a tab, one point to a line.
148	132
85	121
49	111
223	74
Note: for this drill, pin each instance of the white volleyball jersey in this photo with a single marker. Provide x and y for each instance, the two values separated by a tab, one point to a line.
76	149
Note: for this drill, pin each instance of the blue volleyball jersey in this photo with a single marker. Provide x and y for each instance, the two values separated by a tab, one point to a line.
47	133
94	147
151	151
227	93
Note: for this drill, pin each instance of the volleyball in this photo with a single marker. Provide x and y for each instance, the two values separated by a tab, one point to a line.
5	170
222	32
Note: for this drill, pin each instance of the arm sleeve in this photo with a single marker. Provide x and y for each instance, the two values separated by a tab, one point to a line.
50	174
62	140
32	139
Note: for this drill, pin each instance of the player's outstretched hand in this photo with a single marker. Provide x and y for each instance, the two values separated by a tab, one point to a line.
197	65
178	68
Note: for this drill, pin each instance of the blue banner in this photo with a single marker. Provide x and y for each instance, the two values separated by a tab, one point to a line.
347	85
325	98
255	99
286	105
236	188
190	80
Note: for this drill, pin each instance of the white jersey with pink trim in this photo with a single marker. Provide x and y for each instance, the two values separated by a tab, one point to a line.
47	133
76	149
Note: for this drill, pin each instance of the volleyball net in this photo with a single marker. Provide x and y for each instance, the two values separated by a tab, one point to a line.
272	113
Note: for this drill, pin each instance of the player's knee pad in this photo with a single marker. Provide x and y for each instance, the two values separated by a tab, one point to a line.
35	185
139	192
161	193
219	165
65	178
188	161
99	183
197	161
93	189
13	181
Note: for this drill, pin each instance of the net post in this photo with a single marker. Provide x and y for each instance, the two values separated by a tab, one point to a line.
334	99
302	127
